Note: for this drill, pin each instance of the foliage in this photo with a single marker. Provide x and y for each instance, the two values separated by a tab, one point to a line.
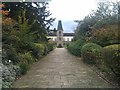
51	45
24	30
9	53
9	73
75	47
36	15
38	50
111	58
105	36
105	15
24	66
111	20
26	57
81	30
91	53
100	28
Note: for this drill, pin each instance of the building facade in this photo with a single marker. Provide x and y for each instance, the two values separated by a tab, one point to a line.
59	36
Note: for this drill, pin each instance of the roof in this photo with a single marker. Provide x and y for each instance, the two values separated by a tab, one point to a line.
64	34
68	34
52	34
59	25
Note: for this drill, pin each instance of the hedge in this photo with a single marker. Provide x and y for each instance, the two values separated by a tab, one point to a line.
75	47
111	57
91	53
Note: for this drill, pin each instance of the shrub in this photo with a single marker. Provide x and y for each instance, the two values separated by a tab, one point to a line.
9	53
26	57
111	57
106	36
50	46
75	47
38	50
6	84
91	53
9	73
24	66
25	60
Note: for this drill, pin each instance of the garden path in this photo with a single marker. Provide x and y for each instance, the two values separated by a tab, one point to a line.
60	69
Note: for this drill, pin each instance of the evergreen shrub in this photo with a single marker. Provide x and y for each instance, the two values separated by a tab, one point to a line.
91	53
75	47
111	57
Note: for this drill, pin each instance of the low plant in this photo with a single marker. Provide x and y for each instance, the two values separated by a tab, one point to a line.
25	59
9	73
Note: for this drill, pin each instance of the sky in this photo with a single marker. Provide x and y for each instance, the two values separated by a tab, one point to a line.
69	10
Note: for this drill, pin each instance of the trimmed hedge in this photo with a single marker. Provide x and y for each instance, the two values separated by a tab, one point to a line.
111	57
75	47
91	53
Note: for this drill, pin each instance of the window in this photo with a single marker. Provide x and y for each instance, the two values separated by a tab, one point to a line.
60	32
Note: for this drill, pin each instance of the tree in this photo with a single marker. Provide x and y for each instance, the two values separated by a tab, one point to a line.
37	14
104	15
28	26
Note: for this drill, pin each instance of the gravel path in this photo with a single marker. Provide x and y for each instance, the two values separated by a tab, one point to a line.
60	69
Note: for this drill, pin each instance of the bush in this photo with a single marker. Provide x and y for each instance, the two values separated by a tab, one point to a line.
91	53
38	50
24	61
111	57
75	47
9	74
50	46
26	57
9	53
24	66
106	36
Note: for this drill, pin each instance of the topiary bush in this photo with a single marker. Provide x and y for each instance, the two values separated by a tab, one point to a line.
111	57
91	53
75	47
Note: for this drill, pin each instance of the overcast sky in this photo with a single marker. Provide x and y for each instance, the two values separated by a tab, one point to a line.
70	10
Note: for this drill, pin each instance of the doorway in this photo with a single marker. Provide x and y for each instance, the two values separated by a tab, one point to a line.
59	46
